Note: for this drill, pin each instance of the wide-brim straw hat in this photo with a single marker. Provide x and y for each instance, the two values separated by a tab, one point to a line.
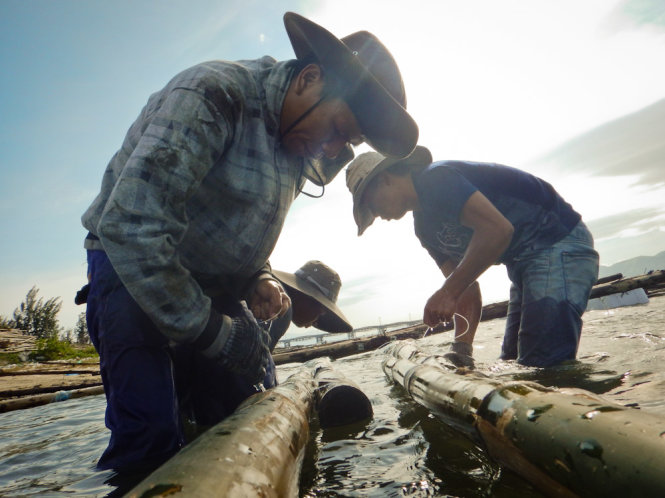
374	88
321	283
364	168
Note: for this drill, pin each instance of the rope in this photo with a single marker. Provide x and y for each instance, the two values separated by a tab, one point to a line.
468	326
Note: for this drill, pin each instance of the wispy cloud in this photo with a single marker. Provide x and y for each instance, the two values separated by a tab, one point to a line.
631	145
637	220
361	289
630	14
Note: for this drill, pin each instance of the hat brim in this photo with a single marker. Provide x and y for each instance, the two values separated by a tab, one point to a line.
361	213
333	320
386	125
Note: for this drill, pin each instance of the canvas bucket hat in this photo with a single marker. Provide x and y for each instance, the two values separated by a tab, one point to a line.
321	283
374	88
364	168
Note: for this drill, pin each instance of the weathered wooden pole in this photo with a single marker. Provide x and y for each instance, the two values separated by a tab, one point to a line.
9	405
612	284
645	281
347	347
339	349
603	287
32	391
609	278
256	452
338	400
566	442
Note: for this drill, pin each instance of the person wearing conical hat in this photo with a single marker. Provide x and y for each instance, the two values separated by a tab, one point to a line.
192	204
471	215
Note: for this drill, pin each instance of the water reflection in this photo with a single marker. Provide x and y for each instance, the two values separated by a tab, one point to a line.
576	374
46	449
402	451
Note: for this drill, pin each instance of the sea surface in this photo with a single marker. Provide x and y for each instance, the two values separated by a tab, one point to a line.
402	451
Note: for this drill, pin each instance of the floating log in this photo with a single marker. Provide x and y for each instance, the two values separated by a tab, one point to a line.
338	400
494	310
340	349
604	286
9	372
9	405
609	278
657	290
348	347
257	451
15	393
652	279
566	442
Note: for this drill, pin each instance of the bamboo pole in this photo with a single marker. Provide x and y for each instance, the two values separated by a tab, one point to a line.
32	391
13	373
566	442
9	405
338	400
340	349
605	286
609	278
348	347
257	451
645	281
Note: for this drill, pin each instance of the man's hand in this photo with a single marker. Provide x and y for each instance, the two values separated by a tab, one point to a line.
440	307
247	350
269	300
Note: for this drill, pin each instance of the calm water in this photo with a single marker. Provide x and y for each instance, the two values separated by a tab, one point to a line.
402	451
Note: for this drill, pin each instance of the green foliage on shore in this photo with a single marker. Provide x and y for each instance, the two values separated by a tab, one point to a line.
54	349
81	330
37	317
10	359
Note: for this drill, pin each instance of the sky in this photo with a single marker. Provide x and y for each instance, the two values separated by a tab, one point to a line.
569	90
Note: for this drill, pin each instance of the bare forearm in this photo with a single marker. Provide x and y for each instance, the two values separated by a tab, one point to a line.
483	251
492	234
469	306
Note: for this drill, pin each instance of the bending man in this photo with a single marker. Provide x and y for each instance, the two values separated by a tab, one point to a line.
470	216
191	206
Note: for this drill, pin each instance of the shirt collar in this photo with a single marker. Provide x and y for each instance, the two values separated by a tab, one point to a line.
275	86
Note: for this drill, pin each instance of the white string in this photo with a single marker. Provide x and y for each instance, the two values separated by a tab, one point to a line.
468	326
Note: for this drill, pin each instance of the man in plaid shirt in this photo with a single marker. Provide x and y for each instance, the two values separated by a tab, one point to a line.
190	209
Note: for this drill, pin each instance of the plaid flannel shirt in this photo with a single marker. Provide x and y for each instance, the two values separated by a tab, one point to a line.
198	192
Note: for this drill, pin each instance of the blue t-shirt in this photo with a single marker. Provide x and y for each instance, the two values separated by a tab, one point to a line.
539	215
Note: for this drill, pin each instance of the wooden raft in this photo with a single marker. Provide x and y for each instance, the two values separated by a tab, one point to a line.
567	442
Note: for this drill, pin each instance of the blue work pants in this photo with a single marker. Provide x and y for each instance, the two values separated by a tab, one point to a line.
148	382
548	295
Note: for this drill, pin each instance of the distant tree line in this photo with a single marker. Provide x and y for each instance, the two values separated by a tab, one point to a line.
39	318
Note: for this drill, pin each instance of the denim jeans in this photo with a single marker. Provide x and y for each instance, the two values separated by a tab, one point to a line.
548	295
148	381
